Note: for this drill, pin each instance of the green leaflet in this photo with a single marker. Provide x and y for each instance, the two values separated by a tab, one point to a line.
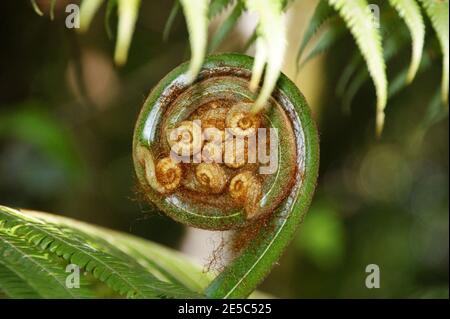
410	12
37	273
128	279
358	18
326	40
438	14
225	28
322	13
217	6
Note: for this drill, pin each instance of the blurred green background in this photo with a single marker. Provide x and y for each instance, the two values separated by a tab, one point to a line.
66	121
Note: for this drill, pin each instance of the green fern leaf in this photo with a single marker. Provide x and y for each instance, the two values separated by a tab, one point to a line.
322	13
196	13
358	18
164	263
36	268
410	12
129	280
437	11
225	28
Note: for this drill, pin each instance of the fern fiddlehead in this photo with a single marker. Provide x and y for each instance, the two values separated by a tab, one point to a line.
240	193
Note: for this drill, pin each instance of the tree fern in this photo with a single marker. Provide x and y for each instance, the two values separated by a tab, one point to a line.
437	10
128	279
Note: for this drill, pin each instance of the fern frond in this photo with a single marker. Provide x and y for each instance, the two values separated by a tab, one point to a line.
164	263
224	29
196	13
36	268
437	11
87	11
127	279
409	11
358	18
271	46
322	13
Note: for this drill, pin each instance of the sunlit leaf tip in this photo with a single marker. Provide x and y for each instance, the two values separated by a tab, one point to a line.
36	8
270	47
196	13
128	13
409	11
437	11
88	9
359	20
322	13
